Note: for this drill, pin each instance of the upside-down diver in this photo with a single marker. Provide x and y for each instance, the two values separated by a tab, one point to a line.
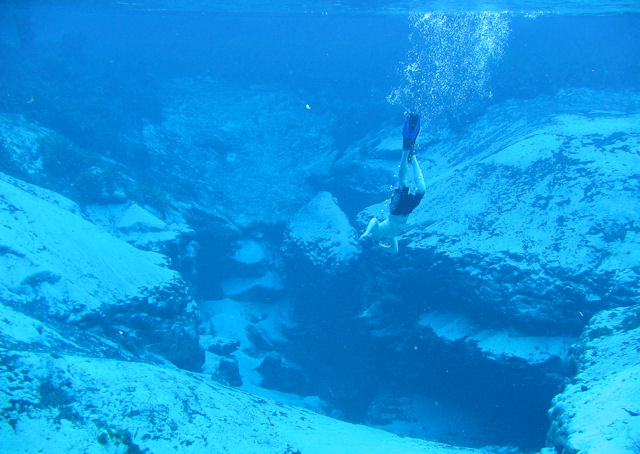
403	201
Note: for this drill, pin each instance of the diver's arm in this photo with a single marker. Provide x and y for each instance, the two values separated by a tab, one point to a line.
394	245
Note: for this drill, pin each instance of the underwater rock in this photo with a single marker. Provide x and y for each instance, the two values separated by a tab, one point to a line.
320	254
228	372
140	227
77	401
321	234
223	347
64	268
527	228
284	376
264	288
532	217
497	345
41	156
253	258
369	167
599	410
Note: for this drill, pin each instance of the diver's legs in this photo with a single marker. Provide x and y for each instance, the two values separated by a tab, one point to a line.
404	167
418	178
372	229
410	132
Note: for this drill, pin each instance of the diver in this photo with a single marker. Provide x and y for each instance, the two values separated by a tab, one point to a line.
403	202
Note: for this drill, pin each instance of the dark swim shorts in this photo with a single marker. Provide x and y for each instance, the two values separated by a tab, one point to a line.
403	203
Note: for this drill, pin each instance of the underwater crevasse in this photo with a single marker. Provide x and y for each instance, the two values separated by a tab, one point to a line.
211	225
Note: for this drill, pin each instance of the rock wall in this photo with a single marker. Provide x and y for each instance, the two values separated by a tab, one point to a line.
62	267
531	212
599	410
44	157
84	404
527	229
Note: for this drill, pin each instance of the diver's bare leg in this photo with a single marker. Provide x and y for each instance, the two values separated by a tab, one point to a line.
404	167
418	178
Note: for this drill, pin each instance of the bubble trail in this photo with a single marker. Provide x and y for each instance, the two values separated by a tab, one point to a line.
448	67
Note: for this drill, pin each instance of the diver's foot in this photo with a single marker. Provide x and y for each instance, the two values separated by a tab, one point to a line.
411	153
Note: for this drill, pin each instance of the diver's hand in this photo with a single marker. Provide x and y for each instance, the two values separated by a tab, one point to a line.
388	248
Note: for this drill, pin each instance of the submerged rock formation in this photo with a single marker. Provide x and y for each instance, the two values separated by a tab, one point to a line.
81	393
64	268
321	234
531	211
529	227
320	252
77	402
599	410
44	157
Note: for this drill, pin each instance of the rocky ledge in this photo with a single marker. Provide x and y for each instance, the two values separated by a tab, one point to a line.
79	393
599	410
62	267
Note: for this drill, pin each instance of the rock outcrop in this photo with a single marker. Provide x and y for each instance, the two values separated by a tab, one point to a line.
83	394
320	252
62	267
599	410
44	157
533	216
321	234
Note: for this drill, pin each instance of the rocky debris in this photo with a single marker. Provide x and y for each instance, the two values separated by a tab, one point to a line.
599	410
64	268
224	347
243	333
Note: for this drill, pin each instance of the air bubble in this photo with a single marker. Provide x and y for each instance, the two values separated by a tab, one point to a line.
447	72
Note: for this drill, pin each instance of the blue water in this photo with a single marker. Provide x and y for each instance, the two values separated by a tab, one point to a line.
99	73
351	58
